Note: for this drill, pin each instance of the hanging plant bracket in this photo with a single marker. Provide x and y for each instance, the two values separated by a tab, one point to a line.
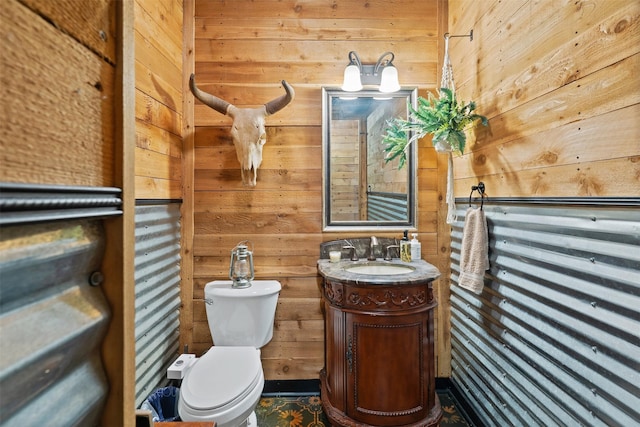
470	35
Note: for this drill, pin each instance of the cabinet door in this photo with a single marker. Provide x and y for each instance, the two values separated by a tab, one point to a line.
387	368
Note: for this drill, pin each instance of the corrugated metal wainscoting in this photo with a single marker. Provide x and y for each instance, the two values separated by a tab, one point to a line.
157	275
53	313
554	337
52	322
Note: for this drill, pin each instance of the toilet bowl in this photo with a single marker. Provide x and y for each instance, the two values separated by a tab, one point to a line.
225	384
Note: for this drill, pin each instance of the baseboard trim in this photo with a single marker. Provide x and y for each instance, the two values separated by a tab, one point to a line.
278	388
311	387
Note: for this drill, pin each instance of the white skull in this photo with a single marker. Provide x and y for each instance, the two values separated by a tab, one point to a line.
248	129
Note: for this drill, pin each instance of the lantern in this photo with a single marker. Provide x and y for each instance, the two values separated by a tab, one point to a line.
241	267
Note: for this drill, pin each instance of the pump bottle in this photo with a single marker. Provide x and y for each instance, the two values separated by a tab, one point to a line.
416	247
405	248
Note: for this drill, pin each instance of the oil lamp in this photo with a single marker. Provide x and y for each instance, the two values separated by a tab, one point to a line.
241	268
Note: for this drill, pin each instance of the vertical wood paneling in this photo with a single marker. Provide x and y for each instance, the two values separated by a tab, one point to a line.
243	49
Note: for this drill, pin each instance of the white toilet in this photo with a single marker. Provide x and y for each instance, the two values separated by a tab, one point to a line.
225	384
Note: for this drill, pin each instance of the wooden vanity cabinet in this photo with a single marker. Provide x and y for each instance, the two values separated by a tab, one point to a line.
379	361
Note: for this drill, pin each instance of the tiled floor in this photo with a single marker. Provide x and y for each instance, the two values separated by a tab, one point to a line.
452	415
306	411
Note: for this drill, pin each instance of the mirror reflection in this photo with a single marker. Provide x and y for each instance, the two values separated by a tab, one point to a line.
361	189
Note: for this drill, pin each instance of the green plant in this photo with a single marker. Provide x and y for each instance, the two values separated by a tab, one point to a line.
442	116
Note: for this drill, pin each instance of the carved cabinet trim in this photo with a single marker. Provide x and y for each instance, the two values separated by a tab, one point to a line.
386	298
379	355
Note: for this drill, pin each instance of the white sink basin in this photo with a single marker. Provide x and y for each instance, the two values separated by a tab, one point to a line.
380	269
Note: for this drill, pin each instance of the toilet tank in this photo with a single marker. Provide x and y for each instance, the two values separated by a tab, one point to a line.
241	316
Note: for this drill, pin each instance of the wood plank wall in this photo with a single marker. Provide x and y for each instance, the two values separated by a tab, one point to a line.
63	122
159	81
559	82
57	91
383	176
243	49
345	140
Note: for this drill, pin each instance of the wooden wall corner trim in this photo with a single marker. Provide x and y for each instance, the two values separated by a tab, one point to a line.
188	177
119	345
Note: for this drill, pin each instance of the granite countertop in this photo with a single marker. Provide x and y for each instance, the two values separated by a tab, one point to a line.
423	271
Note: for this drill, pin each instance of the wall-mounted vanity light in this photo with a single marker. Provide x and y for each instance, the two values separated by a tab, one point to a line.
383	74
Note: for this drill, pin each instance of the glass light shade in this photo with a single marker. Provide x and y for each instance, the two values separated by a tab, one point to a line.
389	80
352	82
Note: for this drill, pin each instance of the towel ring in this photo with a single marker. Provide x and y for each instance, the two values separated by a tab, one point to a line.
480	189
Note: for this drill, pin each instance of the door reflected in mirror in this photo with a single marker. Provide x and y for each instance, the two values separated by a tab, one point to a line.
361	189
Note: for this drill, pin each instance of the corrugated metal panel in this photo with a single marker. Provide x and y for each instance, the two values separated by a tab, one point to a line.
52	323
157	276
554	339
387	207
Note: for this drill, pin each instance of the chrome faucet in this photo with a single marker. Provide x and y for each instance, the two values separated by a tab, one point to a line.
372	244
387	255
352	252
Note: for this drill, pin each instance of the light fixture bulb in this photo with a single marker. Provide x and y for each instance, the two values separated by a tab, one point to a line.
352	82
389	80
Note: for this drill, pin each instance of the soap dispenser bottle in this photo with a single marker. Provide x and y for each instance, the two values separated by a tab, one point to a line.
405	248
416	247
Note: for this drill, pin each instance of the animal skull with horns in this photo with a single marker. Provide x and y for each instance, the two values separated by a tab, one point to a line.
248	130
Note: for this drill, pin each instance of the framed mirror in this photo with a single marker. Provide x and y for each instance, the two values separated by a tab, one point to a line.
360	189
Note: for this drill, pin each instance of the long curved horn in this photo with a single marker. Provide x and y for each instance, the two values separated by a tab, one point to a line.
279	103
220	105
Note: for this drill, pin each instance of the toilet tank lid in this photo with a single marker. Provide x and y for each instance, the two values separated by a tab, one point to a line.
221	375
257	288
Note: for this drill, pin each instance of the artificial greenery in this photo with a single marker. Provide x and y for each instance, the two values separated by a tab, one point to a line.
442	116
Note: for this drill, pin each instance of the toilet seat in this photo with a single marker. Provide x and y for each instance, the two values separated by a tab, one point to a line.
222	377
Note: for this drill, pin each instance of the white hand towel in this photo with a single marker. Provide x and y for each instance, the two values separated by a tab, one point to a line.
474	254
